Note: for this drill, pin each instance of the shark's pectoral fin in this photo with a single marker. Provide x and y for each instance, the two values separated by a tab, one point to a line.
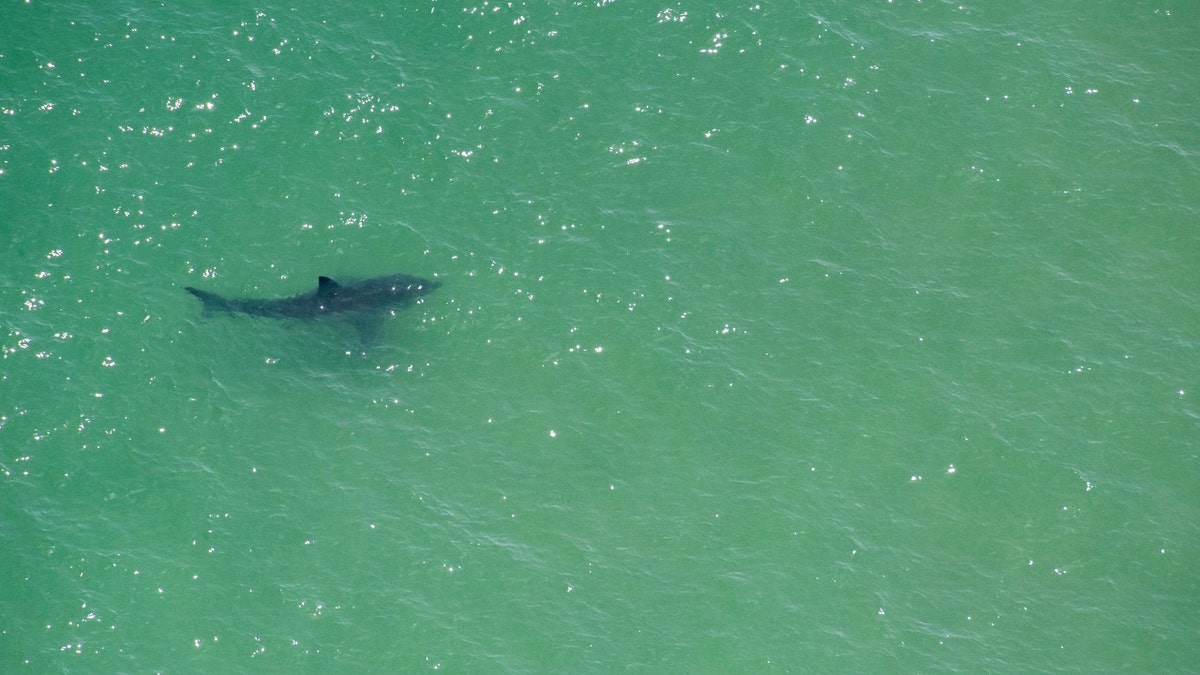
369	325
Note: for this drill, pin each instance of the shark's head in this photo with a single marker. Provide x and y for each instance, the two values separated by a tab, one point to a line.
372	294
402	287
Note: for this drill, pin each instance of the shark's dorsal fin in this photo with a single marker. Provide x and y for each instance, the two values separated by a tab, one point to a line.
326	286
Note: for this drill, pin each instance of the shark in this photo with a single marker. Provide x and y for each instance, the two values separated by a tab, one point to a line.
363	302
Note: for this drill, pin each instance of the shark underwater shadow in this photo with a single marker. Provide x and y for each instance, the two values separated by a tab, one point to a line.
365	303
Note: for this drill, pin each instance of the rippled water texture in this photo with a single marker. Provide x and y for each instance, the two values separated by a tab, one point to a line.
800	337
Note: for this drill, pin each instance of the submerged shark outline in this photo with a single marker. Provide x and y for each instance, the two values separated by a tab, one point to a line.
364	302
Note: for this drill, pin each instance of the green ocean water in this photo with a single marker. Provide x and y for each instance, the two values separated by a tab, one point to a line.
797	337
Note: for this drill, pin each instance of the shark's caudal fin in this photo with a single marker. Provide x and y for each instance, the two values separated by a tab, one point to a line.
212	301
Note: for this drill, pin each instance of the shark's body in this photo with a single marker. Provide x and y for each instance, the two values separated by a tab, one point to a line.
364	302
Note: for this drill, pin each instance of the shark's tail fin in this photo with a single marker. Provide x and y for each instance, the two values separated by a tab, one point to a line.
212	301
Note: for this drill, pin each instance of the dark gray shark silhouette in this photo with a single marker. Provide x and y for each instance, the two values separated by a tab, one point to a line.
363	302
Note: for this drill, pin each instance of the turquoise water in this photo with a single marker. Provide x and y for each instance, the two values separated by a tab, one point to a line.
813	337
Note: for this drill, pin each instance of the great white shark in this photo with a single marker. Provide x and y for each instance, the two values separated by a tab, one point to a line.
363	302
